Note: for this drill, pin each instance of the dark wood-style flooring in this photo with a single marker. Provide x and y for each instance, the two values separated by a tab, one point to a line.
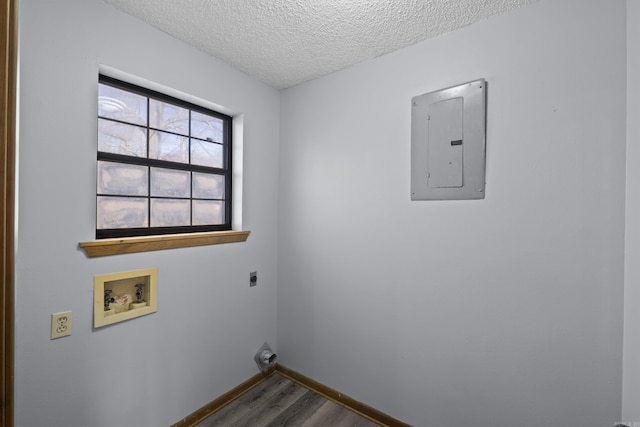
278	401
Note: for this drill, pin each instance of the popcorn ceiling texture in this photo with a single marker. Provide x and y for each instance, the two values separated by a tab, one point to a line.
286	42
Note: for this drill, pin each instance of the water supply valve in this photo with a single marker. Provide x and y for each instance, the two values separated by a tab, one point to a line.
139	292
108	299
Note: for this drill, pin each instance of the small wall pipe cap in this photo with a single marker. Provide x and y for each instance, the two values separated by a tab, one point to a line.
265	358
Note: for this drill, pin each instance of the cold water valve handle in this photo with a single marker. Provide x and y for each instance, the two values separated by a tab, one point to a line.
108	299
139	292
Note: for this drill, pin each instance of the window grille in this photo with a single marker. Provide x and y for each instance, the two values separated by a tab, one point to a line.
164	164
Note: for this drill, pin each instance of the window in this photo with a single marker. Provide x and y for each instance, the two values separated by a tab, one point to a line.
164	165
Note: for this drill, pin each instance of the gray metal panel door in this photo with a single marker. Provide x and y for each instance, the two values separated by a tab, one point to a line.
448	129
445	143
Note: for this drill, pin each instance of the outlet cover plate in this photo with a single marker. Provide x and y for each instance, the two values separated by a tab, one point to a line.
61	324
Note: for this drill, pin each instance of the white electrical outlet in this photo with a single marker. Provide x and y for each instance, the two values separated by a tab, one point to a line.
60	324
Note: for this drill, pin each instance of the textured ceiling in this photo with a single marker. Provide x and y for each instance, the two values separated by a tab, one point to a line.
286	42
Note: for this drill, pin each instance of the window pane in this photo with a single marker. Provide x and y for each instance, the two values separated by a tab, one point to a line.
170	212
206	153
167	146
162	163
170	183
122	179
207	186
206	127
114	137
122	212
168	117
121	105
208	212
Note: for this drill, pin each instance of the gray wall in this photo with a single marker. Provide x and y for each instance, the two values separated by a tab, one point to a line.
493	313
501	312
631	383
154	370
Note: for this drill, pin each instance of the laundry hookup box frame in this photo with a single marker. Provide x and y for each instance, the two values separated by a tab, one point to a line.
123	296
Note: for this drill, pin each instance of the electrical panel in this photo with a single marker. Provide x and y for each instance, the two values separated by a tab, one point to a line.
448	129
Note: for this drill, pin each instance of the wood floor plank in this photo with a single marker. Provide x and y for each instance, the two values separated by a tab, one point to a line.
247	402
328	414
334	415
262	415
280	402
351	419
302	409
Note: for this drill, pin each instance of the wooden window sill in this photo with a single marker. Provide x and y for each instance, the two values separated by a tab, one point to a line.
128	245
